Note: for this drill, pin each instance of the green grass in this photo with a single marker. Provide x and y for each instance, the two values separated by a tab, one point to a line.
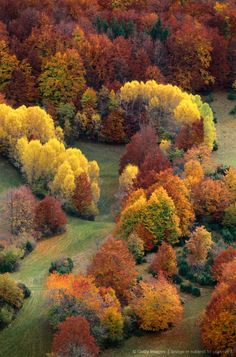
107	157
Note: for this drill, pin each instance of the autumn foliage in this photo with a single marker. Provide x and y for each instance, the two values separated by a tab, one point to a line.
73	337
164	260
159	316
114	266
49	217
221	260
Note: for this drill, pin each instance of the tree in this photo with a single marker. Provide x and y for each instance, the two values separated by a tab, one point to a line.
21	90
201	153
218	326
78	295
62	77
49	217
140	144
180	194
113	128
157	305
146	236
127	178
31	123
157	214
83	196
168	107
53	168
230	181
198	245
190	53
10	293
8	63
20	206
230	216
136	247
154	162
194	172
190	135
226	256
113	266
210	198
74	339
164	260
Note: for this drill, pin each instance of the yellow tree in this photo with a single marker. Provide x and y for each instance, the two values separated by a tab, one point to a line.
62	78
198	245
157	305
127	177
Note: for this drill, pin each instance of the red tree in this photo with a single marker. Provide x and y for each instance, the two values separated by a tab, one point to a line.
114	266
49	217
140	144
223	258
74	339
190	135
164	260
154	162
83	196
210	198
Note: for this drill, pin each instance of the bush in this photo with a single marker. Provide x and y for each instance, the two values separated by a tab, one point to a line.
186	288
6	315
233	111
62	266
215	119
196	291
10	293
209	98
9	260
26	291
231	96
183	268
227	235
177	279
215	146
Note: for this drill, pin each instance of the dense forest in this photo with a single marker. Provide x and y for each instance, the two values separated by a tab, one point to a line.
117	178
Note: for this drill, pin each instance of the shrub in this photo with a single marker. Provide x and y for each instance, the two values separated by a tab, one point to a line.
26	291
186	288
10	293
209	98
6	315
177	279
9	259
231	96
62	266
233	111
215	146
196	292
183	268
